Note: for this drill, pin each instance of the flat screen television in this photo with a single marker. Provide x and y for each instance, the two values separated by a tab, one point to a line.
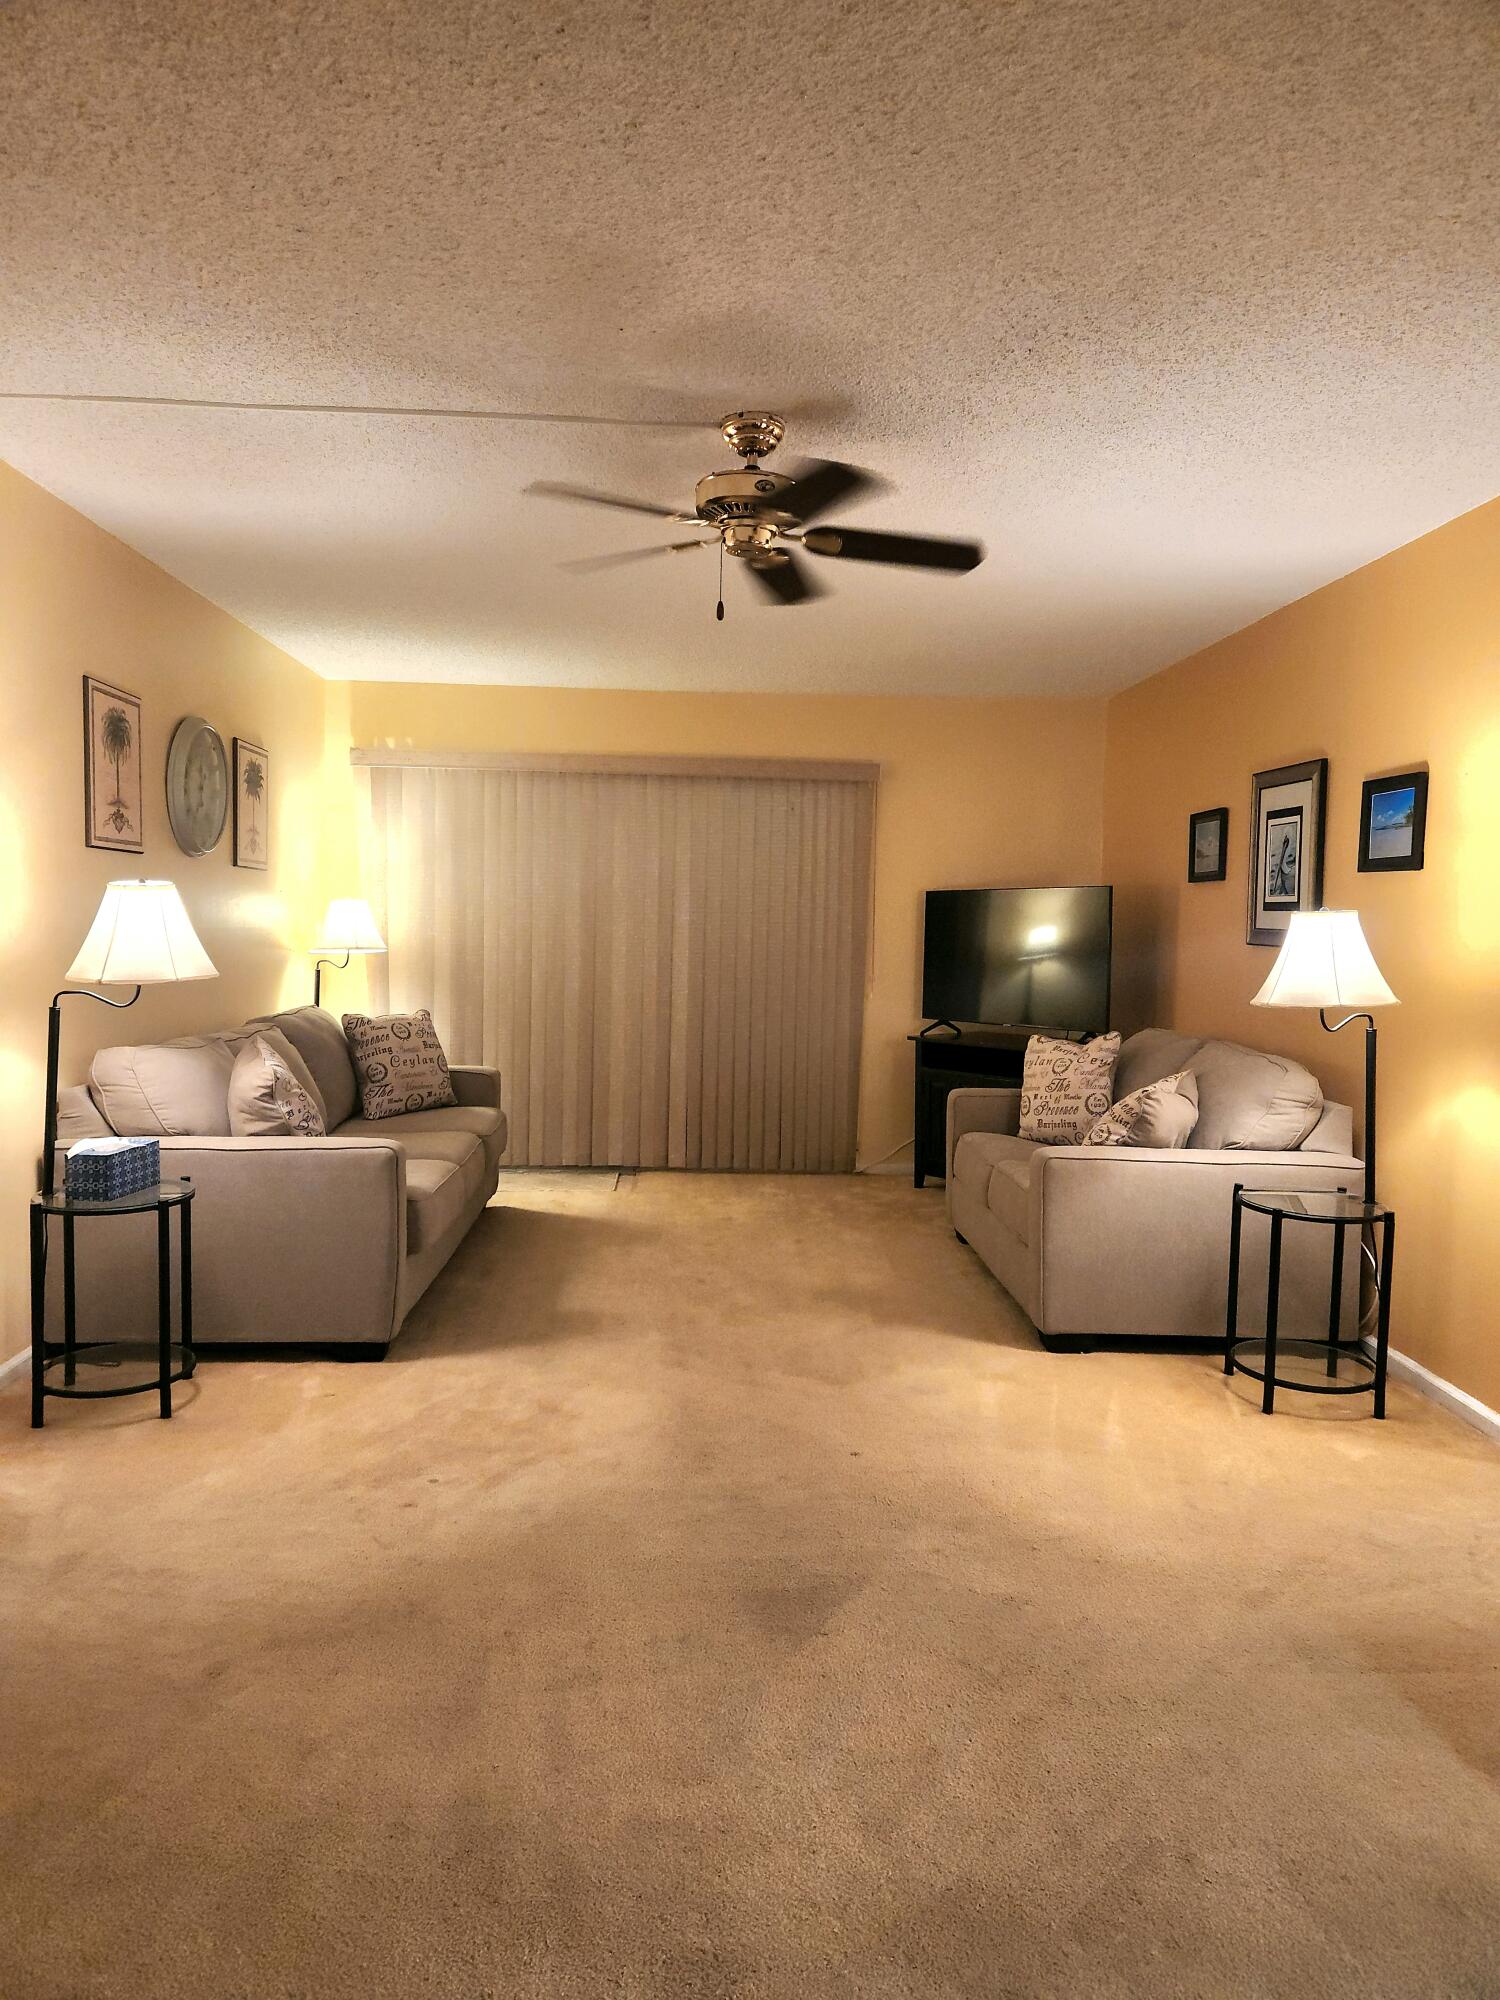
1035	958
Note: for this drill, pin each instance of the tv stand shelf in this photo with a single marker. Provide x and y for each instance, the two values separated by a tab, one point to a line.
944	1062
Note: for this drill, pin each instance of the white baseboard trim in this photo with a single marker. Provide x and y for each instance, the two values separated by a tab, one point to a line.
16	1365
1440	1390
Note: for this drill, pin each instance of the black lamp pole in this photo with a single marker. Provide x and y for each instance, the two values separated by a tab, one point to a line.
1333	1028
54	1036
338	965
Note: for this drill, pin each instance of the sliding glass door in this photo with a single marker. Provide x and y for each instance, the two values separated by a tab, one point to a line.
667	966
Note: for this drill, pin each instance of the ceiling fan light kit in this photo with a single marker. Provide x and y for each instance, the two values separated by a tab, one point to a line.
760	517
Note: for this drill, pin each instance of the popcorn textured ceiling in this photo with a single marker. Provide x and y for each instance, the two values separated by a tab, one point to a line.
1183	307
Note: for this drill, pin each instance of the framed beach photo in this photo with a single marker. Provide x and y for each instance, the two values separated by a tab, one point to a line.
112	764
1208	845
1287	808
252	805
1393	823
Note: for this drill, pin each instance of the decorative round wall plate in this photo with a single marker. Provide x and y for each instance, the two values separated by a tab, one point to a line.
197	785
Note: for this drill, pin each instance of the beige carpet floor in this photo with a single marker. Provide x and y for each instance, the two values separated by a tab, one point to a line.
718	1593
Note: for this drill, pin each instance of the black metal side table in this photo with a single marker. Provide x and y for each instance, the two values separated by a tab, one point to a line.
1339	1212
146	1364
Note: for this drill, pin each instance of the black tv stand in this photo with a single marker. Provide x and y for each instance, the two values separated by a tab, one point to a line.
983	1056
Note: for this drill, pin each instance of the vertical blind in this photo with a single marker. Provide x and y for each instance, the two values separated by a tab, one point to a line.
668	969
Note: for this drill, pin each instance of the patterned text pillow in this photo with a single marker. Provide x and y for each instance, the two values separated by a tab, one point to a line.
399	1062
1158	1114
1066	1087
267	1098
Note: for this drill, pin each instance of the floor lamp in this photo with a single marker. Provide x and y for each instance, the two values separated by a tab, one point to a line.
141	936
1326	962
348	928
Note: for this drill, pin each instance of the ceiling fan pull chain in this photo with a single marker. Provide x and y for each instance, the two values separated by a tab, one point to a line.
719	613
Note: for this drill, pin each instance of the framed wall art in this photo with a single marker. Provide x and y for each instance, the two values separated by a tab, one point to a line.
1208	845
112	787
252	805
1393	823
1287	813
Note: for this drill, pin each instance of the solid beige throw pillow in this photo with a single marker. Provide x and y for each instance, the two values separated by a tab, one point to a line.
1158	1114
1066	1087
399	1062
267	1097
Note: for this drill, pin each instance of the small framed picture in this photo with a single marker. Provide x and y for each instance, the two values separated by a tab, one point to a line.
252	805
1393	823
1208	845
1287	808
112	762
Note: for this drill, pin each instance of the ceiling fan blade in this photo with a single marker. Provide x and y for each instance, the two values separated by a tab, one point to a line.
822	486
630	555
786	581
911	551
549	489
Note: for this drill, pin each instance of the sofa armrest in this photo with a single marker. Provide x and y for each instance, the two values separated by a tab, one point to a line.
1135	1239
293	1240
975	1110
474	1084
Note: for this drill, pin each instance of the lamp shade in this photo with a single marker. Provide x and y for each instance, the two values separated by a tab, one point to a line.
141	936
349	925
1325	962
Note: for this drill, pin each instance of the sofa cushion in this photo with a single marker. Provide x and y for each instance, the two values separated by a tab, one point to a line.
399	1062
1150	1055
1065	1086
268	1098
437	1193
319	1040
486	1125
1002	1164
78	1117
1158	1114
168	1089
1251	1101
1009	1196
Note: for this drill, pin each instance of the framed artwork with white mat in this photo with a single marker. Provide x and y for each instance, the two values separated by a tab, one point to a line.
1287	813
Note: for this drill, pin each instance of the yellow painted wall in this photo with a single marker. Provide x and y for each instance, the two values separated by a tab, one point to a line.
971	793
1389	669
73	600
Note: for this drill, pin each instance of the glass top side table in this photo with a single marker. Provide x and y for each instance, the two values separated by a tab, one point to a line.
1338	1211
134	1365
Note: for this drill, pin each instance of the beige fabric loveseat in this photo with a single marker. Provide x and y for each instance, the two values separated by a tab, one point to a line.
294	1240
1103	1241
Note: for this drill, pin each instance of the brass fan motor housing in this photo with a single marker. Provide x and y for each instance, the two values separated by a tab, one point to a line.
754	434
745	494
750	538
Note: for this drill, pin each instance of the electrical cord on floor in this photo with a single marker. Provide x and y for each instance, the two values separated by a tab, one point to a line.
870	1165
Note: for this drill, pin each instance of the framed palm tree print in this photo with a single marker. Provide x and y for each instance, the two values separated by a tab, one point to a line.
112	763
252	805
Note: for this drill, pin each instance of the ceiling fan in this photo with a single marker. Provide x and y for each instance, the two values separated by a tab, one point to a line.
754	514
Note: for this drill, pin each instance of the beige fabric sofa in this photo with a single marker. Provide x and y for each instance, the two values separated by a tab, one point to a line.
1098	1242
316	1241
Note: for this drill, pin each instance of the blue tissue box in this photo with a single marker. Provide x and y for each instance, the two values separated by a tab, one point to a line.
109	1169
